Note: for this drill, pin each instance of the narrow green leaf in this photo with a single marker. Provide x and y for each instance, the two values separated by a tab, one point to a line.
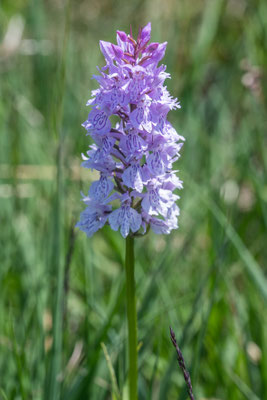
115	389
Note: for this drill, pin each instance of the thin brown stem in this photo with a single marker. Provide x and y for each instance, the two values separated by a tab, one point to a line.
181	363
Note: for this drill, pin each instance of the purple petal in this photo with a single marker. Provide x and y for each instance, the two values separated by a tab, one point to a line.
135	220
158	201
132	177
98	122
137	117
107	50
125	228
122	35
145	33
126	218
155	163
132	144
100	190
152	47
156	55
159	52
118	53
113	99
91	219
159	226
115	219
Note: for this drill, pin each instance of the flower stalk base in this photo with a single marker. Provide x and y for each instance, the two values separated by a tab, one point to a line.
131	318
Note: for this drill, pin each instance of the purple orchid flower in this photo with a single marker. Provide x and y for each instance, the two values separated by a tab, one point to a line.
135	157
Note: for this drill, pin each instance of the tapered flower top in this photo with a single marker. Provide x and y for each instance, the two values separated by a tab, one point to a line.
135	155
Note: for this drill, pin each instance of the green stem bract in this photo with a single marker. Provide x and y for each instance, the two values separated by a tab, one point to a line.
132	318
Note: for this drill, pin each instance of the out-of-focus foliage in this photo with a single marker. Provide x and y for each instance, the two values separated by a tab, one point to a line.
62	294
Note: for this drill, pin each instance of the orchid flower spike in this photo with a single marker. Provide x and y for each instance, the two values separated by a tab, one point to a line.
135	157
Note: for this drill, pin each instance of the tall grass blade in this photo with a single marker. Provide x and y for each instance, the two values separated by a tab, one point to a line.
252	267
53	377
115	389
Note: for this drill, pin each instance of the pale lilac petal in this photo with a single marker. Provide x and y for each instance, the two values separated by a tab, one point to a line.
155	163
137	117
146	206
133	144
157	55
115	219
152	47
125	227
100	190
107	50
93	218
135	220
118	53
126	218
132	177
159	226
98	122
122	36
145	33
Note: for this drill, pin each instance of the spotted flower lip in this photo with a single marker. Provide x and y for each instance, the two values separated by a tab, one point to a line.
126	218
134	156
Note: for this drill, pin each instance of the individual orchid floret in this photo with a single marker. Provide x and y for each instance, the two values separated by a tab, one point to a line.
126	218
100	190
132	177
93	218
158	201
134	157
97	122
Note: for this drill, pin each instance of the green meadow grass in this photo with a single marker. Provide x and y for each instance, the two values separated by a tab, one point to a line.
63	329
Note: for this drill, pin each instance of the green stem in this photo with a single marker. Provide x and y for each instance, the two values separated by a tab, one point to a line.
131	317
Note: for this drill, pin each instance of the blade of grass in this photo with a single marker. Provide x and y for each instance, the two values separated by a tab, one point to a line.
186	334
53	384
153	375
242	386
4	396
82	387
18	364
165	382
115	389
252	267
207	32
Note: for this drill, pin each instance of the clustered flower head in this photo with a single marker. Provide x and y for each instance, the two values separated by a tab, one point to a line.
135	146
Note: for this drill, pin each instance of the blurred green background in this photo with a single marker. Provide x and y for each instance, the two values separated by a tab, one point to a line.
61	294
